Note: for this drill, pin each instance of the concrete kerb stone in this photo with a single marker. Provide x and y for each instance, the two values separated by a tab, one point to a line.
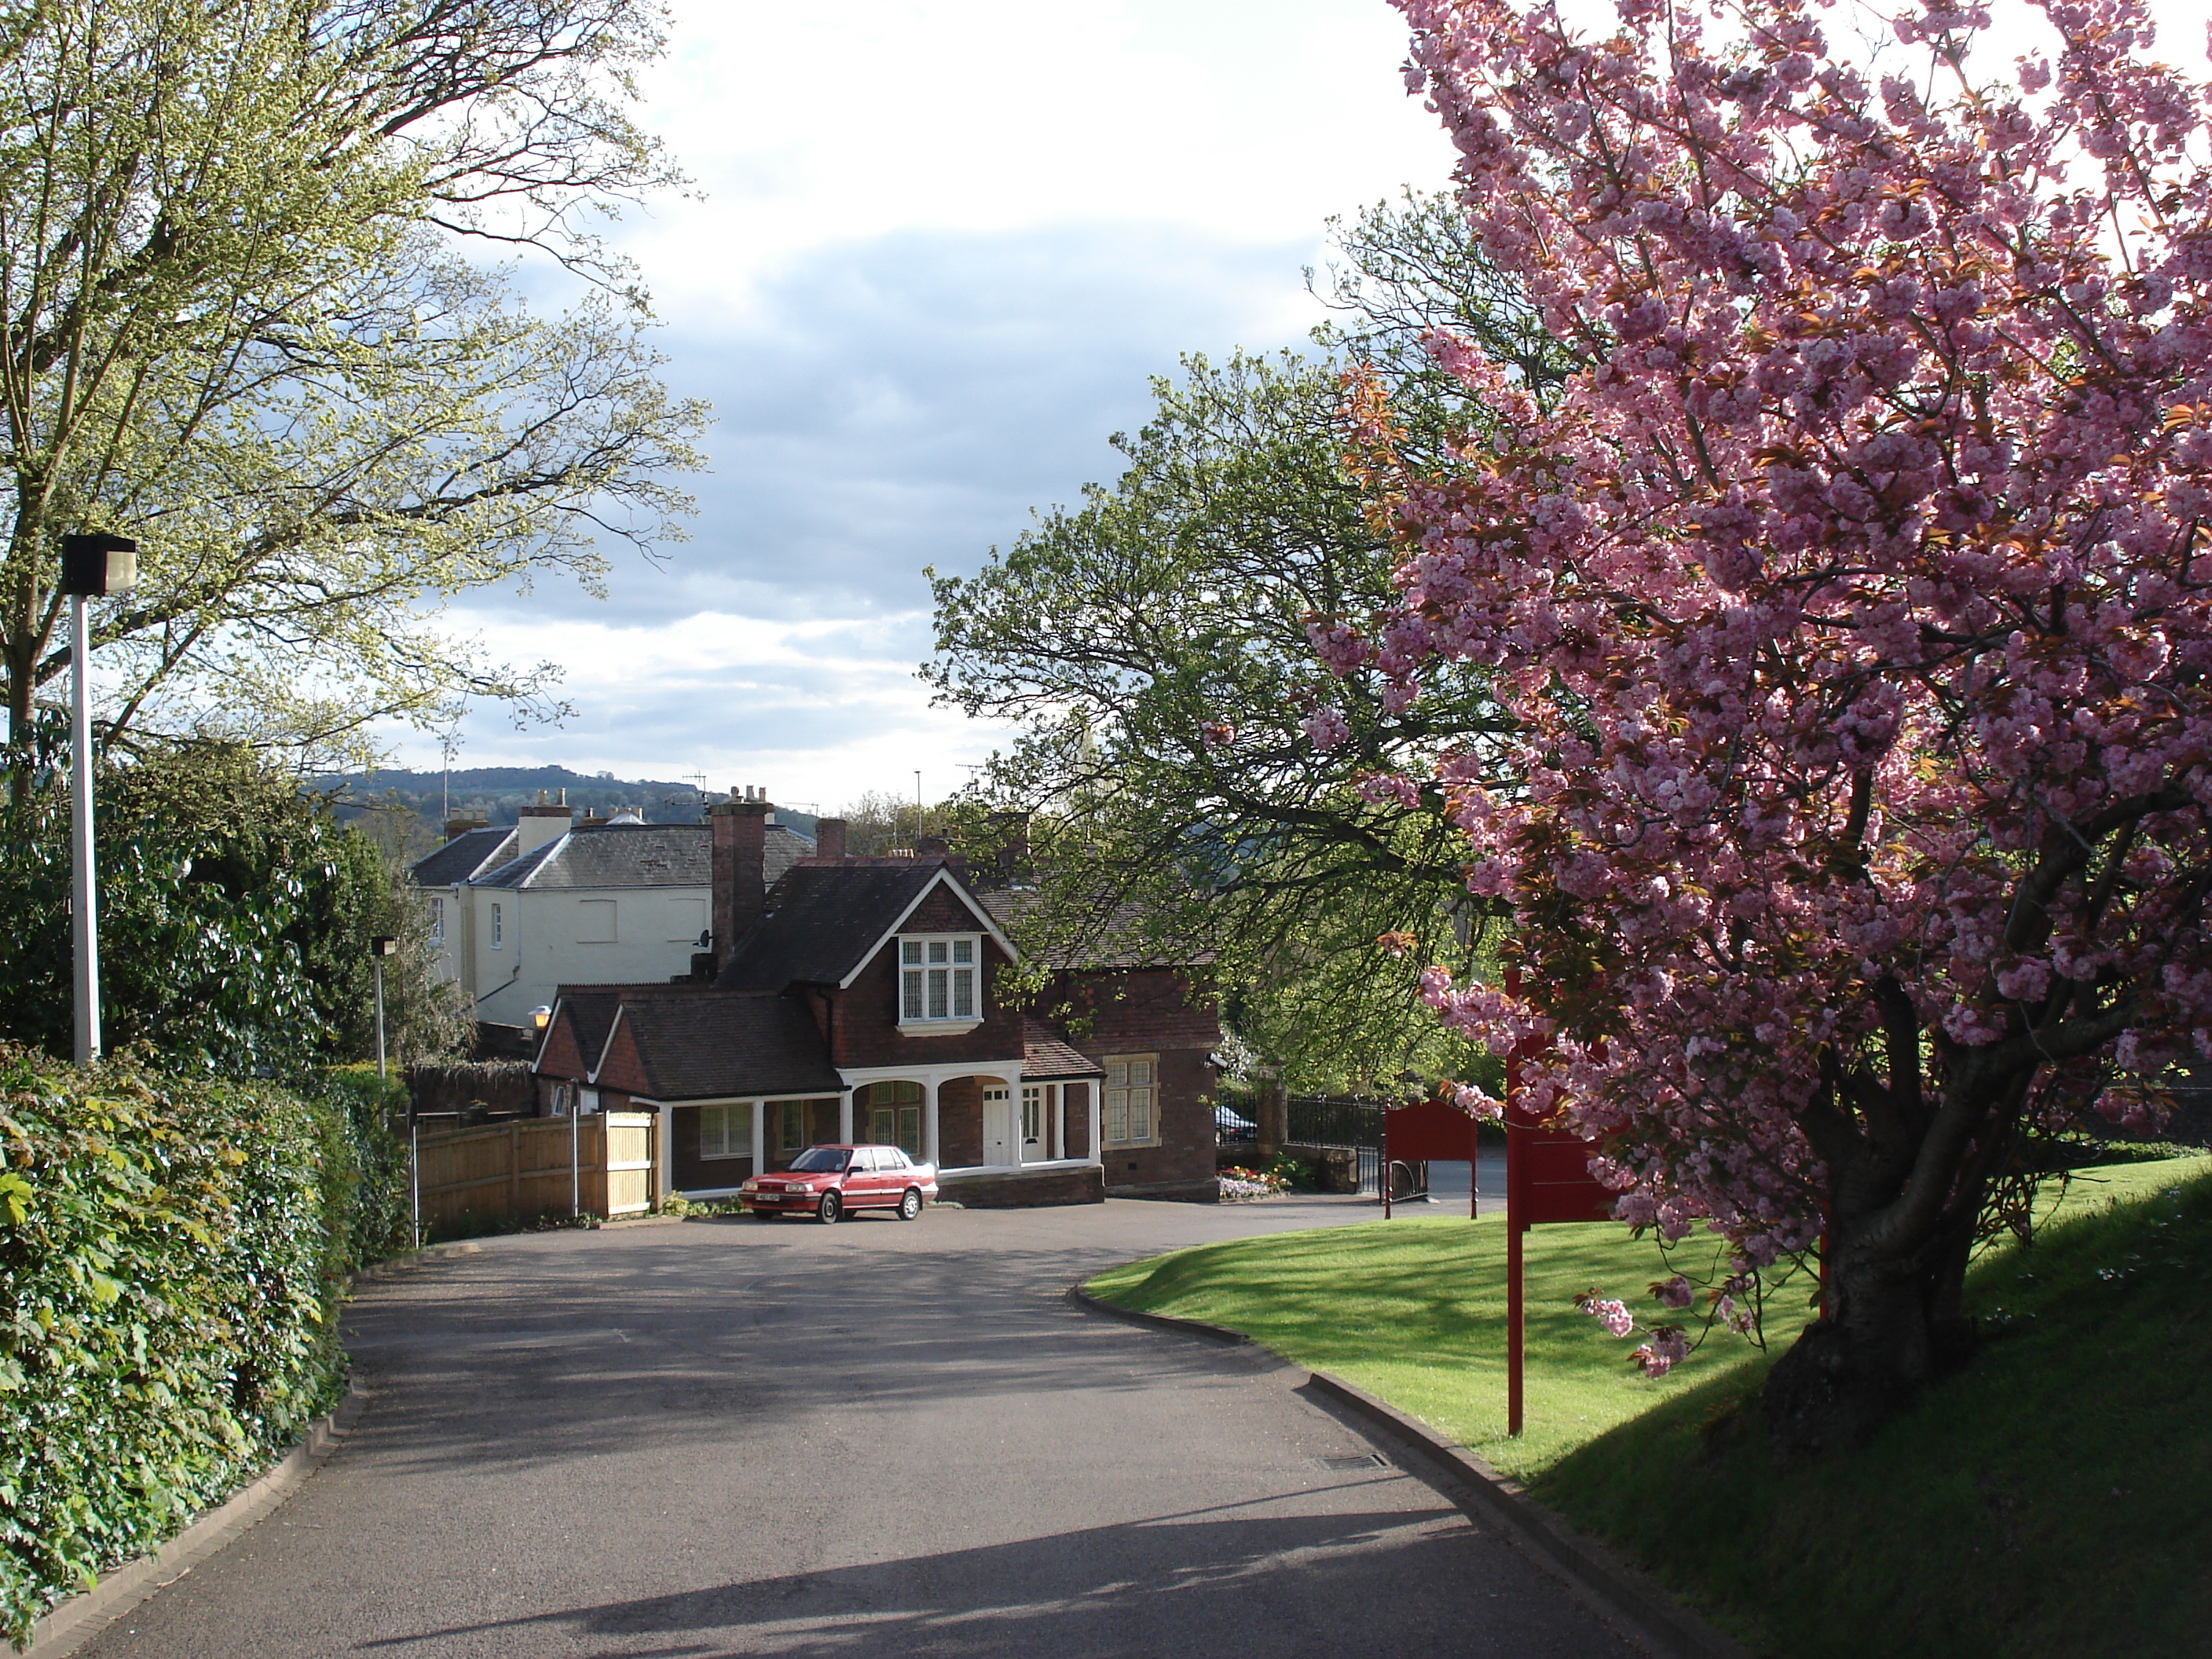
69	1624
1612	1588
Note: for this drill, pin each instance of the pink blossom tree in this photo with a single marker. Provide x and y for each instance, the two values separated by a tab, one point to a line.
1849	600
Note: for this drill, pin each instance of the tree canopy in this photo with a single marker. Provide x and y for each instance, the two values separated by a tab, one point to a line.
1846	610
247	316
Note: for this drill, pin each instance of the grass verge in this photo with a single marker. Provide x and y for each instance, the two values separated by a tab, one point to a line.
2048	1502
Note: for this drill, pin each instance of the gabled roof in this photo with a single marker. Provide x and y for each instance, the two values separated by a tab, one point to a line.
636	855
715	1045
826	921
590	1013
1046	1056
464	857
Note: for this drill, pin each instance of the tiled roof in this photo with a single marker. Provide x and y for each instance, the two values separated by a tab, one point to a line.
705	1045
637	855
821	920
462	857
589	1011
1045	1055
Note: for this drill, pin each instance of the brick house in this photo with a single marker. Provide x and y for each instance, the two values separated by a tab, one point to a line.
867	998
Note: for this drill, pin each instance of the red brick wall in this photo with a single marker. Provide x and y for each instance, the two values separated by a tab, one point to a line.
960	1123
1077	1095
1023	1192
865	1033
1151	1012
623	1069
563	1057
690	1170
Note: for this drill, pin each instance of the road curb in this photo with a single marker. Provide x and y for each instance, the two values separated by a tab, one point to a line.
1614	1588
69	1624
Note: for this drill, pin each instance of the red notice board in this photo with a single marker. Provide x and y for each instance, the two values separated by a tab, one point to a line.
1547	1175
1428	1129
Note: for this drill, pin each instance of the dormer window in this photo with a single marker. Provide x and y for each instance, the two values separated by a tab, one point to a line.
937	980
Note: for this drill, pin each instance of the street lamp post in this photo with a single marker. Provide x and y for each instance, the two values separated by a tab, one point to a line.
379	948
92	566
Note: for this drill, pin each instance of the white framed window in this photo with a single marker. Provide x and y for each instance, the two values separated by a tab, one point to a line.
498	929
437	922
1033	1115
936	979
595	922
1131	1104
726	1131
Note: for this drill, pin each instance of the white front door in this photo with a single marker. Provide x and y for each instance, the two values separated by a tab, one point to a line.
1034	1149
999	1144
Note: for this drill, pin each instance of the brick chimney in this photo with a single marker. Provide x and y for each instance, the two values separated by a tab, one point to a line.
546	821
458	826
931	847
830	838
741	866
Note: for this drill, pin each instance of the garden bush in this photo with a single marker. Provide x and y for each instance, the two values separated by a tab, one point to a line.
173	1256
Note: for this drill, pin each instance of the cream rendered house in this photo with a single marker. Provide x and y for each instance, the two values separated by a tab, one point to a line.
518	913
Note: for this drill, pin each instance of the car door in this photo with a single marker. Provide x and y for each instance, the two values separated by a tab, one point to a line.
864	1183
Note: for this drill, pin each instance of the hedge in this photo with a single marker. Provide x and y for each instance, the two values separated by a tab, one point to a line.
173	1257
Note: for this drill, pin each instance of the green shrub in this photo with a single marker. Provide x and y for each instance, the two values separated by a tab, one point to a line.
173	1257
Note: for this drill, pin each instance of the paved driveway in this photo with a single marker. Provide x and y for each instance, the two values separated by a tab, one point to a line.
878	1438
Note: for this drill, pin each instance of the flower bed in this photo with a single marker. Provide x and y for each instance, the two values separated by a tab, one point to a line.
1242	1186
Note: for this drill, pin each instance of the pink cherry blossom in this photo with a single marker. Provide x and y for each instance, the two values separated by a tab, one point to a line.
1850	601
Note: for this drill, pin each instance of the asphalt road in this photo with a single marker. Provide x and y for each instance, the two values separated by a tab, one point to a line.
878	1438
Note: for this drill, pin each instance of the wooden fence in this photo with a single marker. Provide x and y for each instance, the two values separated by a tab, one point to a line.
506	1173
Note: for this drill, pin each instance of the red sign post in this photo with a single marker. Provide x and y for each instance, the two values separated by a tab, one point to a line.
1547	1178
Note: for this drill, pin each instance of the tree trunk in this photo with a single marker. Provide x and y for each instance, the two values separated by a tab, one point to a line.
1888	1329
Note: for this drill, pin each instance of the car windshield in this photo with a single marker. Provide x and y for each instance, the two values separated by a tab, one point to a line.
819	1157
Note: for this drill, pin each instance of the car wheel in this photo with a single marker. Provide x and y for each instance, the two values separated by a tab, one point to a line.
829	1208
909	1204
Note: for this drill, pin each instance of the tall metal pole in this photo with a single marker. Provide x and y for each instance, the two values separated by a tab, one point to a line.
83	918
376	965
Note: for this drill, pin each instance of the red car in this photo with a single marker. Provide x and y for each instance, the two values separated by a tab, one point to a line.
827	1181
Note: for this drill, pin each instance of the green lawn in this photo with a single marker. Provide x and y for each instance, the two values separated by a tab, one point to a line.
2055	1500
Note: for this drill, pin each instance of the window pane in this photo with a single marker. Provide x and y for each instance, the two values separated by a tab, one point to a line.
937	994
911	1007
1140	1114
1117	1114
937	950
963	949
1140	1073
910	951
963	994
909	1131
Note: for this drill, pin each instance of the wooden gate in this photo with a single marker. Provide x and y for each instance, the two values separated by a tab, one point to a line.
507	1173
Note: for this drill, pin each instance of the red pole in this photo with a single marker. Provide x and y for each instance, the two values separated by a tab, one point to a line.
1386	1163
1515	1178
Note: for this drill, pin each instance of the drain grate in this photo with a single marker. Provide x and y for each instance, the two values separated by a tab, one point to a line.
1364	1461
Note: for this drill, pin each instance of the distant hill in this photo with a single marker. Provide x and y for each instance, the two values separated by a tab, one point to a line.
388	799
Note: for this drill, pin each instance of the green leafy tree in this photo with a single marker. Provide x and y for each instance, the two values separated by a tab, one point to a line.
1202	787
235	916
237	323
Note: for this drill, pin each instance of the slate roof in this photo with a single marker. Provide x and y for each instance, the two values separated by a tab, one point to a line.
1046	1056
821	920
636	855
463	857
704	1045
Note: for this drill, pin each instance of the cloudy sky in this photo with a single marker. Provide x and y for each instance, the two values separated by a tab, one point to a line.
941	247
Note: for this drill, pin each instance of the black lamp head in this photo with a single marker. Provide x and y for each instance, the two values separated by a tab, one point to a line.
98	565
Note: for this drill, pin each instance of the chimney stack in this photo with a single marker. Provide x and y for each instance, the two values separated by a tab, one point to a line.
930	847
540	823
741	866
830	838
458	826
